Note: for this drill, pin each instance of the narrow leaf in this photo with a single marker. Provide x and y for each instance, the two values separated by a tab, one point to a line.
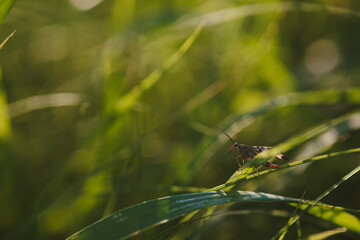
3	43
43	101
325	234
131	220
230	14
239	121
324	194
250	167
334	215
128	100
4	8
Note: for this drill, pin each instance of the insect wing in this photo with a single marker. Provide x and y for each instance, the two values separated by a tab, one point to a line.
260	149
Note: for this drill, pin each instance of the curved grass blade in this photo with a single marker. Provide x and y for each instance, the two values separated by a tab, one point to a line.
131	220
230	14
4	115
342	122
251	166
233	180
339	217
346	177
292	217
325	234
5	6
128	100
5	126
284	166
7	39
239	121
43	101
273	213
313	159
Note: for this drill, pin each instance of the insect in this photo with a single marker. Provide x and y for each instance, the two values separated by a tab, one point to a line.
247	152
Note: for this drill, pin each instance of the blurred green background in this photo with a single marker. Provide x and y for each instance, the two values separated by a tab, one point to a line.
83	134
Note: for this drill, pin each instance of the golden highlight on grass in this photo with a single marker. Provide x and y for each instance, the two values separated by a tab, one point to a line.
5	41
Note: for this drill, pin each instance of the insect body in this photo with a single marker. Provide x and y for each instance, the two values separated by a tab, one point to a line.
247	152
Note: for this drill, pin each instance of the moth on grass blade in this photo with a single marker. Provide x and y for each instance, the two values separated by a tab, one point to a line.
247	152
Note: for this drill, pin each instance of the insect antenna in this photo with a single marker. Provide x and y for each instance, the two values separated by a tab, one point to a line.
227	136
235	145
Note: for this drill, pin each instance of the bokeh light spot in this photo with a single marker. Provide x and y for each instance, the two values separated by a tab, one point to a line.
322	56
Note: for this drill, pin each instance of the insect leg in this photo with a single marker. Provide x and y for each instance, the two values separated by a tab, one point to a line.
237	160
270	165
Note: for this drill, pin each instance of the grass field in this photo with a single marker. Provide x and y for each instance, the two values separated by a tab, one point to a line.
112	112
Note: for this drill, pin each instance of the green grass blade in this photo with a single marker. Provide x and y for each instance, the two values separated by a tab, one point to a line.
230	14
298	230
238	121
134	219
7	39
292	217
340	122
250	167
5	125
337	216
43	101
236	177
5	6
346	177
230	184
309	160
128	100
325	234
4	115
